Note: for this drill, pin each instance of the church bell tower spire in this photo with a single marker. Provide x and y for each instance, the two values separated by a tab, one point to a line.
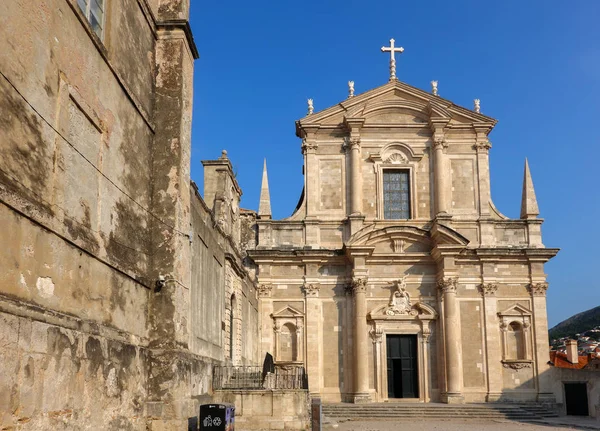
264	207
529	205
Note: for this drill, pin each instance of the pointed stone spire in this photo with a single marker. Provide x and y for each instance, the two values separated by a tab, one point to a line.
529	206
264	207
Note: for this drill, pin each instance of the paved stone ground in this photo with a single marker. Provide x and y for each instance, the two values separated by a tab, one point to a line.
462	425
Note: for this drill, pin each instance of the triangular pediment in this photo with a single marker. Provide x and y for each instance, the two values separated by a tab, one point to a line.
516	310
287	311
397	103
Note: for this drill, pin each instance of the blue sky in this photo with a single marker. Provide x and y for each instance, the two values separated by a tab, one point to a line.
535	66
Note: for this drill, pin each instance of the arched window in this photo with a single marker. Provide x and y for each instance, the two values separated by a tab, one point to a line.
288	347
232	306
515	342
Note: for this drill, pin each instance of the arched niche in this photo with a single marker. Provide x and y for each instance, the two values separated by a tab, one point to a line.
288	325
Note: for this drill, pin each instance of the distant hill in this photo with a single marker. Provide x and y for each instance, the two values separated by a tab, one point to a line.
576	324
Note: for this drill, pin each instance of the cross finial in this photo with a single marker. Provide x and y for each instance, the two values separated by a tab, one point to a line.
392	49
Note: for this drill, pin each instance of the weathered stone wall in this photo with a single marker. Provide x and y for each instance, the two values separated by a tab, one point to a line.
268	409
95	205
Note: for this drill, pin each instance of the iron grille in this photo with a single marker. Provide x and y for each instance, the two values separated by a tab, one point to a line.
252	377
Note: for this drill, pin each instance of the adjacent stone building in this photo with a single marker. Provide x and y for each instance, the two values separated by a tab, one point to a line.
120	287
396	277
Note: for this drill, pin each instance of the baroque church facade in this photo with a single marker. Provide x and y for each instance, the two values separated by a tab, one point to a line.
396	278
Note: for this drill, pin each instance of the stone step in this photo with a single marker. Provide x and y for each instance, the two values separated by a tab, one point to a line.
442	411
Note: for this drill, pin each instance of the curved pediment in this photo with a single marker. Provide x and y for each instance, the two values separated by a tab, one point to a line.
444	235
370	236
406	239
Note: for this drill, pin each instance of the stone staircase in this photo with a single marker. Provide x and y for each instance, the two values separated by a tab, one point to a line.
517	412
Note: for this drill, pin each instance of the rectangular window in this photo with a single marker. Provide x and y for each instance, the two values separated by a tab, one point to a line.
396	194
94	12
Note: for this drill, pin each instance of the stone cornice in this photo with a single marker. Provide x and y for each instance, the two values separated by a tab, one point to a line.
184	26
533	254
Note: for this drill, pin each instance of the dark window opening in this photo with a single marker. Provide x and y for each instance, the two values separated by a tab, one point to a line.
396	194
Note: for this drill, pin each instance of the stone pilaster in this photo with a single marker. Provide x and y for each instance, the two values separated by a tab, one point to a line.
425	338
276	340
361	351
440	173
377	338
314	336
355	175
311	174
453	393
492	341
353	146
265	310
541	341
482	147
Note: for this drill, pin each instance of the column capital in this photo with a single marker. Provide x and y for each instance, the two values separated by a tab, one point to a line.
351	143
448	285
264	290
359	284
376	335
488	289
482	146
311	289
439	142
538	289
309	147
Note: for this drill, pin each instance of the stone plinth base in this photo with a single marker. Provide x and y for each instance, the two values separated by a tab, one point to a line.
453	399
493	397
356	222
361	398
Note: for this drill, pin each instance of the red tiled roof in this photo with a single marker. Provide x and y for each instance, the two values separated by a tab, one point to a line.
560	360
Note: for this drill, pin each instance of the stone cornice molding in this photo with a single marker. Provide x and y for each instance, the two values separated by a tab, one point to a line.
448	285
359	284
264	290
488	289
538	289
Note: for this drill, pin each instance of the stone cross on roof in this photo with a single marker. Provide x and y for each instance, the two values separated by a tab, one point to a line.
392	49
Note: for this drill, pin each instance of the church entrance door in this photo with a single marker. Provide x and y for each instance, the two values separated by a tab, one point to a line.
402	372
